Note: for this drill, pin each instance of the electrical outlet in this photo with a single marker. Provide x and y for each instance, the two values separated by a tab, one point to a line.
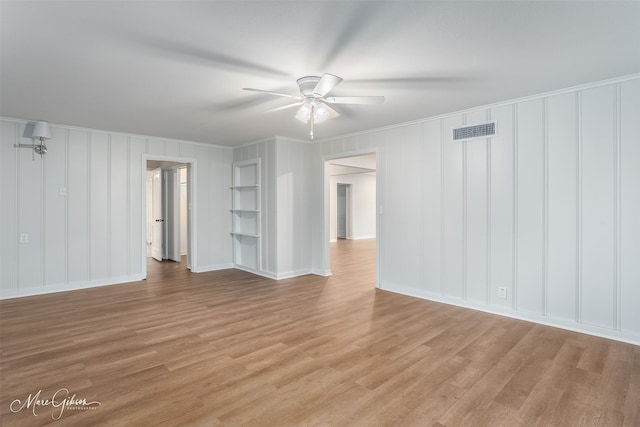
63	191
24	238
502	292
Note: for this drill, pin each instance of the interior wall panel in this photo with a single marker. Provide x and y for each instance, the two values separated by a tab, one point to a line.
628	156
55	209
99	207
502	207
530	206
563	203
205	180
137	207
395	207
93	235
431	192
452	211
476	215
78	206
30	220
598	135
8	215
551	205
118	203
414	205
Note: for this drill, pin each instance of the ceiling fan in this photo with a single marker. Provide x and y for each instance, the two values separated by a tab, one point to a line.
313	100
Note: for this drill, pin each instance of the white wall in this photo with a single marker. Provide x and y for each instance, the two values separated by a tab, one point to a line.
363	200
548	209
285	229
95	234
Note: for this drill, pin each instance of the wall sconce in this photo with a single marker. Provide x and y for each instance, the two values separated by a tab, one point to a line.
41	132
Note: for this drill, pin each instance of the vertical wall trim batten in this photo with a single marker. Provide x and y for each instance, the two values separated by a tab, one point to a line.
43	170
488	226
423	178
465	246
617	207
128	250
579	207
514	302
545	207
66	206
88	172
16	198
109	196
441	207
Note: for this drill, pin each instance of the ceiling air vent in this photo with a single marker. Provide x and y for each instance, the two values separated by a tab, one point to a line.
465	133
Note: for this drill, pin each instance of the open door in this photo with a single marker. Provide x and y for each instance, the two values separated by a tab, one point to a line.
173	218
157	226
341	214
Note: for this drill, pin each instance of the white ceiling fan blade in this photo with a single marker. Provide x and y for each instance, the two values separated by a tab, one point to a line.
271	93
326	84
284	107
355	99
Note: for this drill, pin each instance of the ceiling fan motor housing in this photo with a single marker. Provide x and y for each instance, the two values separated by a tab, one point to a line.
307	84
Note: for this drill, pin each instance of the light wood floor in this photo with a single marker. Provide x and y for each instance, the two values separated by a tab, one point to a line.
230	348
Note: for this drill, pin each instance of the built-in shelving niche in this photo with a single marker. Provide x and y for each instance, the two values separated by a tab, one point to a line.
245	211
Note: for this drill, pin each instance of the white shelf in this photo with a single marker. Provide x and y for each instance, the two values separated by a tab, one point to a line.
245	213
244	187
235	233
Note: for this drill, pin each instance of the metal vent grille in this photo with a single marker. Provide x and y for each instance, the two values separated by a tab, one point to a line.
485	130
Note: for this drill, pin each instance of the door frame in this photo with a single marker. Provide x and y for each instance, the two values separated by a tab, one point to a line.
192	223
326	227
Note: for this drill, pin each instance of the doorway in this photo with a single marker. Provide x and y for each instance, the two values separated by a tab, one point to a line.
168	214
350	207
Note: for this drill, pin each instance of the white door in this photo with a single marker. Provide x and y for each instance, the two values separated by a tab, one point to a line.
341	205
157	224
173	215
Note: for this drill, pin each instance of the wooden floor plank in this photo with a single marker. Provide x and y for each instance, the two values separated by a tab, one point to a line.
230	348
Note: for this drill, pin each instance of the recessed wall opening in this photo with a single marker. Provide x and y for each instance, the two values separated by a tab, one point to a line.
350	211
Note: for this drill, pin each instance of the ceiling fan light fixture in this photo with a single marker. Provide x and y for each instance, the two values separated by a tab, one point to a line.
304	113
320	113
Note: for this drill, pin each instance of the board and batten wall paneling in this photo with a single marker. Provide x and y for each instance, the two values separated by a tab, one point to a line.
452	211
82	208
431	181
395	208
99	209
30	221
78	212
476	193
547	209
628	218
597	130
137	209
119	206
9	242
411	189
502	207
55	209
562	167
530	206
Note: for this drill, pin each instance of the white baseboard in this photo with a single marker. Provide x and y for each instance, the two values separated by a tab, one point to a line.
215	267
321	272
73	286
504	311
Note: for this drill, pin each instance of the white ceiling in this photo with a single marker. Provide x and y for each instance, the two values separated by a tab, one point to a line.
177	69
